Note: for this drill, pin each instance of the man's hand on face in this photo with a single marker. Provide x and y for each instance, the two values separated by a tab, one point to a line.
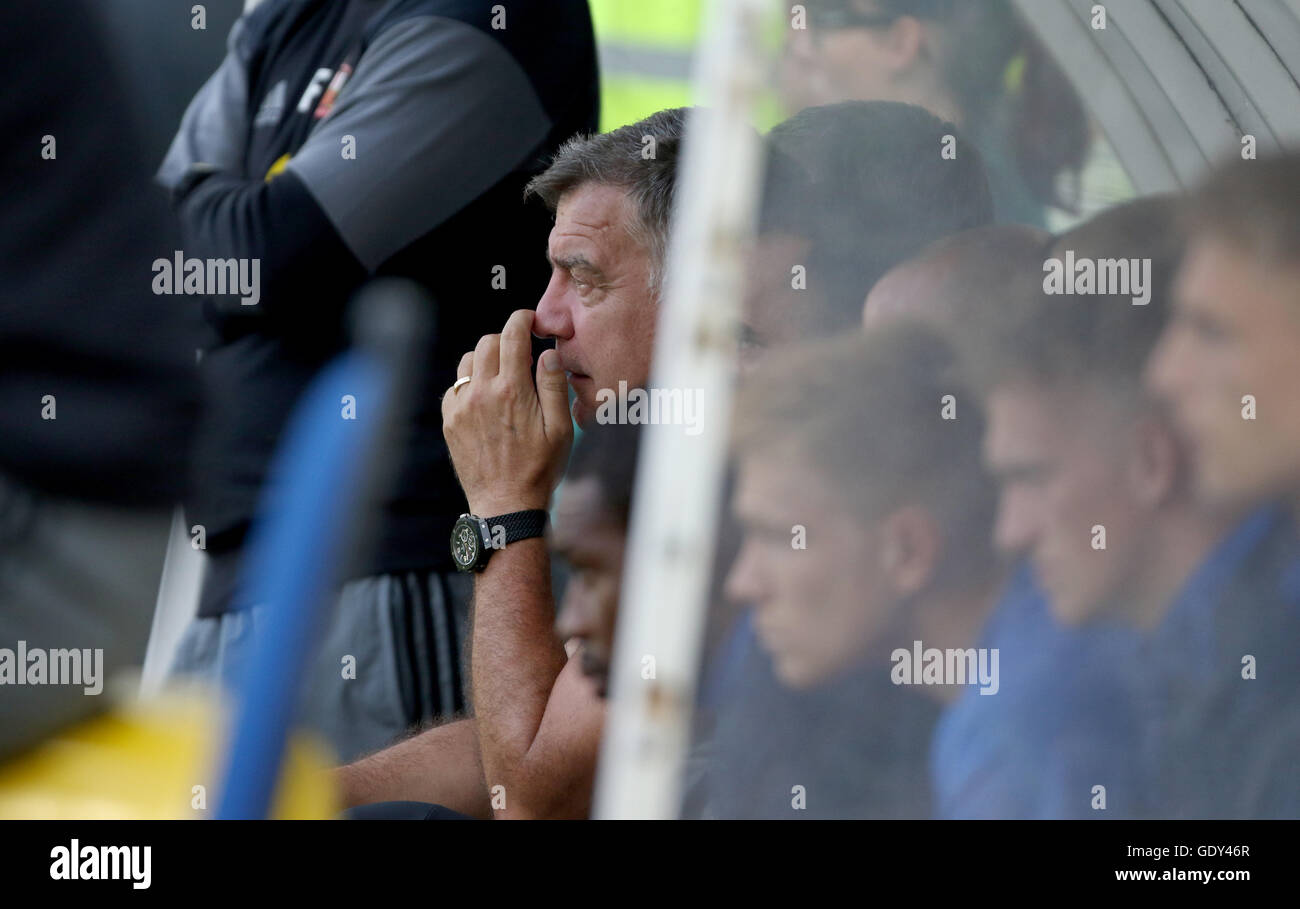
508	442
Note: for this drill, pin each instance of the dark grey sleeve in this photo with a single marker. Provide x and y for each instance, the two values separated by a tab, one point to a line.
215	126
439	112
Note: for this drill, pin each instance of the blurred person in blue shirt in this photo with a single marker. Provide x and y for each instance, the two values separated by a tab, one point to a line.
1062	720
1097	491
833	718
1228	364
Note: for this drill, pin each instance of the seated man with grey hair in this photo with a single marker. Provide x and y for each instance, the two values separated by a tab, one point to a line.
612	196
530	750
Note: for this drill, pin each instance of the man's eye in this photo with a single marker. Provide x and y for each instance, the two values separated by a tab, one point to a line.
1036	480
1202	328
1208	331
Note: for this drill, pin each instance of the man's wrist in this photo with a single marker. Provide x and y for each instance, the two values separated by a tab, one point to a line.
496	506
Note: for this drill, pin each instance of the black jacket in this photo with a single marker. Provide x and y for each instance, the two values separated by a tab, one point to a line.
445	117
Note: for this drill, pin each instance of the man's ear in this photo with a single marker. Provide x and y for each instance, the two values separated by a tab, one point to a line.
1157	462
902	43
911	544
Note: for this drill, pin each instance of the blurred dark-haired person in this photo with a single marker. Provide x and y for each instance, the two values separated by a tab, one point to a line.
559	714
1050	733
590	536
97	387
852	190
977	65
342	140
1096	489
1228	364
866	520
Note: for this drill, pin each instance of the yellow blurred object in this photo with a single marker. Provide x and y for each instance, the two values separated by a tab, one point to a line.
647	57
276	169
646	54
152	761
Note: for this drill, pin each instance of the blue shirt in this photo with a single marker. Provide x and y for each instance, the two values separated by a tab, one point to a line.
1216	743
854	745
1060	724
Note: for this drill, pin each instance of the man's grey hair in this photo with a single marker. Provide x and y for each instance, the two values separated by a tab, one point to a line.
625	158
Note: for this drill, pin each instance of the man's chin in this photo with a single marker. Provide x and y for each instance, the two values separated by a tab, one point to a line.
584	413
789	670
1229	488
796	675
1076	609
583	408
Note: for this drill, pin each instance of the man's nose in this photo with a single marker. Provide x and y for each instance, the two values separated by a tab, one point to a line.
742	584
1162	371
553	319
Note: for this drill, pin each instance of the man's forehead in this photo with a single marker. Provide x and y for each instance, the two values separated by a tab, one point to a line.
769	482
1207	257
1021	415
590	210
910	278
1209	275
1027	419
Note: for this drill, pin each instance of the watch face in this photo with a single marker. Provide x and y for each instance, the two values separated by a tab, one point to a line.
464	544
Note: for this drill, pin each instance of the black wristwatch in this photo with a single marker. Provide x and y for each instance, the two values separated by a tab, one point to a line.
474	539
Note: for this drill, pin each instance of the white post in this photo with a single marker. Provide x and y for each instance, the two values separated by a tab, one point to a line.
178	598
672	536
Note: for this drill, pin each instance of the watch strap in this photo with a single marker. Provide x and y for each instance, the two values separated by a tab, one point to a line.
519	525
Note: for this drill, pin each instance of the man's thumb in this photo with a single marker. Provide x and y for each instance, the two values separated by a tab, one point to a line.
553	392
